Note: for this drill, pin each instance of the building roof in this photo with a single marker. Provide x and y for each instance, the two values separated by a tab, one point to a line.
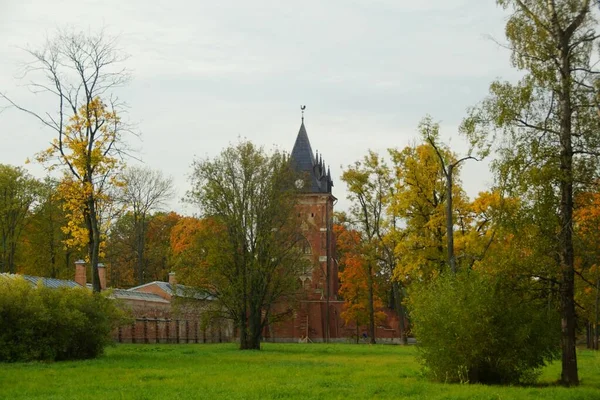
47	282
125	294
318	178
181	290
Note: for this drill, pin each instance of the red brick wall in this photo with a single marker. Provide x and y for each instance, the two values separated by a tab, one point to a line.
314	209
309	320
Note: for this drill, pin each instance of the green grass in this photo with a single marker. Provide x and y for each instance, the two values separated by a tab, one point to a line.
279	371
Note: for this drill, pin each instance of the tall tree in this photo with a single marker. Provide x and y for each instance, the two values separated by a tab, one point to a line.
430	132
368	184
144	191
79	71
18	191
252	252
419	200
548	119
354	287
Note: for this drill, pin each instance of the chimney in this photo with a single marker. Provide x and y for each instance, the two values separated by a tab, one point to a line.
172	279
80	277
102	276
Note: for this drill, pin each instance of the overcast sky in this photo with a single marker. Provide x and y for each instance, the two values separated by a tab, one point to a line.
208	72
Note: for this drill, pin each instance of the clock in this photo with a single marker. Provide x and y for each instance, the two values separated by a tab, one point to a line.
299	183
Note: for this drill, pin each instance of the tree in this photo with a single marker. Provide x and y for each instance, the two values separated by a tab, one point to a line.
419	200
430	131
354	287
252	257
44	251
79	71
587	218
547	122
144	191
18	191
369	185
159	255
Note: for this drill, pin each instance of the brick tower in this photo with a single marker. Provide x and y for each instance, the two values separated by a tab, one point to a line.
315	207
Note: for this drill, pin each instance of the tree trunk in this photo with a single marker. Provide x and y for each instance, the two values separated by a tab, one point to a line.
449	221
139	231
595	331
252	340
242	326
11	257
400	312
371	308
569	374
91	220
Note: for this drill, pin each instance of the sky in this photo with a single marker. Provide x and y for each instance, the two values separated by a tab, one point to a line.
206	73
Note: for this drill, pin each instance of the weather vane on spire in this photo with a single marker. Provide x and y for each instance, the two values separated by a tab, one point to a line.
302	108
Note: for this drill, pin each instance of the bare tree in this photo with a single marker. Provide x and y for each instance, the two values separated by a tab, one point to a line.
80	71
144	191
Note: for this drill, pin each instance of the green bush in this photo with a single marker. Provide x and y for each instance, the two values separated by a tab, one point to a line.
474	327
38	323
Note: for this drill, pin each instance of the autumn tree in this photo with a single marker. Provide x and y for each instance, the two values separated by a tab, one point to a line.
354	287
188	242
120	252
80	71
253	259
158	251
419	201
587	268
18	191
371	190
430	132
548	122
121	248
143	191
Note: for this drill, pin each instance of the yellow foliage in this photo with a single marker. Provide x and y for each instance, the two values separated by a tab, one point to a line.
86	150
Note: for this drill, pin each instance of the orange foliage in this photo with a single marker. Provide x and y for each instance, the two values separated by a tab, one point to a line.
184	233
195	247
354	277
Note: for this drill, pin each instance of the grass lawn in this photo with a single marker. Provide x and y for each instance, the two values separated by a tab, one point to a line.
279	371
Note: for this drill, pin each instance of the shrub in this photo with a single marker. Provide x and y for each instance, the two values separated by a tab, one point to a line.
474	327
38	323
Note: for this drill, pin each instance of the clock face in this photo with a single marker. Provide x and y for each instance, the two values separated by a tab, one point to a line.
299	183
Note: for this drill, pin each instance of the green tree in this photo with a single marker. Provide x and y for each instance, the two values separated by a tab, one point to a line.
547	123
252	256
44	250
18	191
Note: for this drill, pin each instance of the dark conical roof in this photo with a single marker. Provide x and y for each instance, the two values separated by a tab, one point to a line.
302	153
305	163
